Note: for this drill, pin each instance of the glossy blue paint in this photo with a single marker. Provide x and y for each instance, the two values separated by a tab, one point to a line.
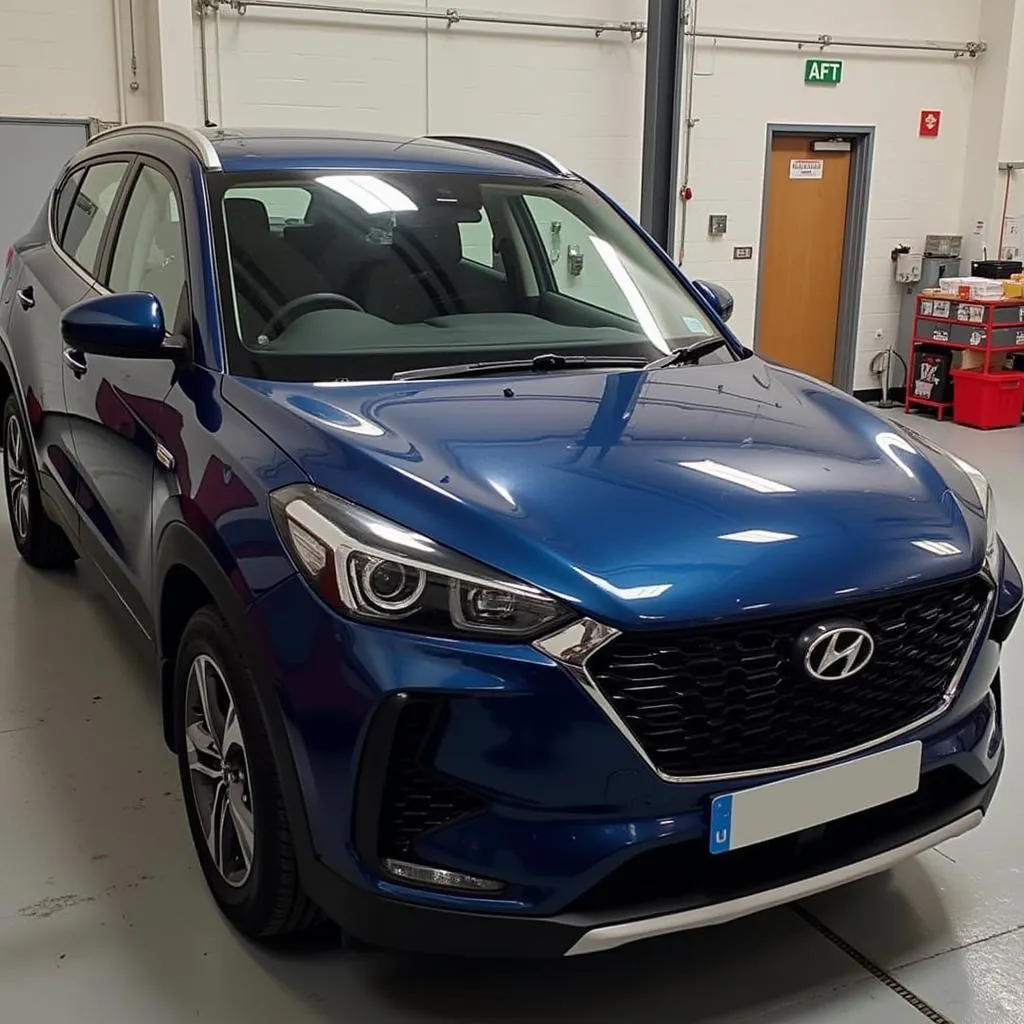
643	499
541	484
129	326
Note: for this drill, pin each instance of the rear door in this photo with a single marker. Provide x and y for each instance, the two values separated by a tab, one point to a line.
58	263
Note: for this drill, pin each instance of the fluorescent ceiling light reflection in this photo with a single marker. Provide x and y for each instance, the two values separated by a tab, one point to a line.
644	593
370	194
502	491
737	476
942	548
636	301
758	537
891	444
399	537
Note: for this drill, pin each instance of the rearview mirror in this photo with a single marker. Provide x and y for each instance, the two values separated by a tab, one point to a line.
128	324
720	298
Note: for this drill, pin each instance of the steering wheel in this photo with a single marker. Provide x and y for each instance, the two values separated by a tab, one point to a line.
291	311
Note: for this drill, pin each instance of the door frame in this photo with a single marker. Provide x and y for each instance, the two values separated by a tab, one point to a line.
862	154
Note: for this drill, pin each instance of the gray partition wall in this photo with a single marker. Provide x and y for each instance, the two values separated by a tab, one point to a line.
32	153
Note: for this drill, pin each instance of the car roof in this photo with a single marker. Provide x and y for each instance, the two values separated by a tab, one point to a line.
264	149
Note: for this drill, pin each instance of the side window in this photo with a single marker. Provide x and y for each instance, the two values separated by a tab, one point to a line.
149	254
62	204
578	261
478	241
89	213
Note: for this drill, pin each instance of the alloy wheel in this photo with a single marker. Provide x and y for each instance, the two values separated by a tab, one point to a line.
219	771
17	479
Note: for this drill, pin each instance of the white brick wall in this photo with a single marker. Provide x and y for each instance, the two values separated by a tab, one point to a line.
563	91
57	59
916	183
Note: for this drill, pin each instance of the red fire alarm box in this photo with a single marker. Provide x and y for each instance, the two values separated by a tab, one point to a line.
930	120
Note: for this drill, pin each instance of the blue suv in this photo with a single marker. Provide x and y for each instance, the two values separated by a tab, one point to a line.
504	603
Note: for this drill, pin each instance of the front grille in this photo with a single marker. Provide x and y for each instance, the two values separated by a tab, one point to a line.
415	800
726	699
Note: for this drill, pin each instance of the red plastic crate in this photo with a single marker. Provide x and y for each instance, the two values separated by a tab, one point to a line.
988	400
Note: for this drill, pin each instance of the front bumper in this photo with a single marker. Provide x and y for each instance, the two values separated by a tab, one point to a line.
595	849
393	924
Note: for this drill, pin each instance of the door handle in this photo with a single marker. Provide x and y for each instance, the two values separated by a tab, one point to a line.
27	297
75	361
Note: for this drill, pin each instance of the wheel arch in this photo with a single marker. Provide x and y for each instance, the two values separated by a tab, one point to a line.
189	577
8	376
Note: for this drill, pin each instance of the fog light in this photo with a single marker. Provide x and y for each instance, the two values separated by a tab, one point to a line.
440	878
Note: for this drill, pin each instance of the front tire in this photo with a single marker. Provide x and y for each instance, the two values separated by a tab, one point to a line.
231	787
40	541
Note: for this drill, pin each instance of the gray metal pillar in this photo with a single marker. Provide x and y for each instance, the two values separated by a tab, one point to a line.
662	118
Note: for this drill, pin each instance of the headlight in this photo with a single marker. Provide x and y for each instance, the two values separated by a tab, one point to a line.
370	568
985	498
988	505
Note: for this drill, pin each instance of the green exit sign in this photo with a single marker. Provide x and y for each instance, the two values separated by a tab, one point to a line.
823	72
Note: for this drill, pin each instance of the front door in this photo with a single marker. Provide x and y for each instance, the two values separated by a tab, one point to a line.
55	277
114	402
805	232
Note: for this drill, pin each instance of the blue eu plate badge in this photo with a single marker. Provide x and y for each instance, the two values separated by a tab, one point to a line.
721	823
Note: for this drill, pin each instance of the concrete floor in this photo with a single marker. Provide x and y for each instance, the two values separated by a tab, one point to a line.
104	916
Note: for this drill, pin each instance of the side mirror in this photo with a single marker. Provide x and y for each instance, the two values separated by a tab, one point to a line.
129	324
720	298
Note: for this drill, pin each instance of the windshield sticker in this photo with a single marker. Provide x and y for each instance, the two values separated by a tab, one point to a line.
695	325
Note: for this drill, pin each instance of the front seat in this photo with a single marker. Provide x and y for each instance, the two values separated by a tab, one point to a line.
273	271
418	279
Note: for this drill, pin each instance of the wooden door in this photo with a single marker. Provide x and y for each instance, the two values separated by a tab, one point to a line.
805	213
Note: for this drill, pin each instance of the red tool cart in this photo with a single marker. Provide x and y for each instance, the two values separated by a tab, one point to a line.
986	332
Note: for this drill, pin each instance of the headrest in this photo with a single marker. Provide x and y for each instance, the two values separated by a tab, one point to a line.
246	218
168	238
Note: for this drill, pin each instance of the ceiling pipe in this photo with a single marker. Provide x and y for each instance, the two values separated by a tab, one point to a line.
636	29
451	16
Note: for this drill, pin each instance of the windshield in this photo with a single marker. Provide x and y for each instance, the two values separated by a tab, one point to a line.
360	276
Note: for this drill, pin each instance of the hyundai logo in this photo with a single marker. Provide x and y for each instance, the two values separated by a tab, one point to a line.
835	652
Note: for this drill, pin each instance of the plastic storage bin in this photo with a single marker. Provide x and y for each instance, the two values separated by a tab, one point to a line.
988	400
999	269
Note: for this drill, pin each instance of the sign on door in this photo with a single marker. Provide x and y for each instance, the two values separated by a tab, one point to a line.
806	168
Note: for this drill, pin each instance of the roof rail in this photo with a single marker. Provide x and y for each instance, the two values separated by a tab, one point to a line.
514	150
200	145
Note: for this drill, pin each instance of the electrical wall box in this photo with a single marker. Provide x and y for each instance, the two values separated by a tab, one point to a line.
908	267
718	223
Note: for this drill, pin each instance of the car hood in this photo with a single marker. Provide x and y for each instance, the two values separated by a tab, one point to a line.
641	497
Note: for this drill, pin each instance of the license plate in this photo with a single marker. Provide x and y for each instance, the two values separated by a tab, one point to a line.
762	813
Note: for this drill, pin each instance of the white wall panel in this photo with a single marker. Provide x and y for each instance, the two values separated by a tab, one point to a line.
561	90
565	92
324	71
57	59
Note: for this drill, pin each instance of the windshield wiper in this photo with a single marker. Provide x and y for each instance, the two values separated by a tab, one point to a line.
539	364
692	353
